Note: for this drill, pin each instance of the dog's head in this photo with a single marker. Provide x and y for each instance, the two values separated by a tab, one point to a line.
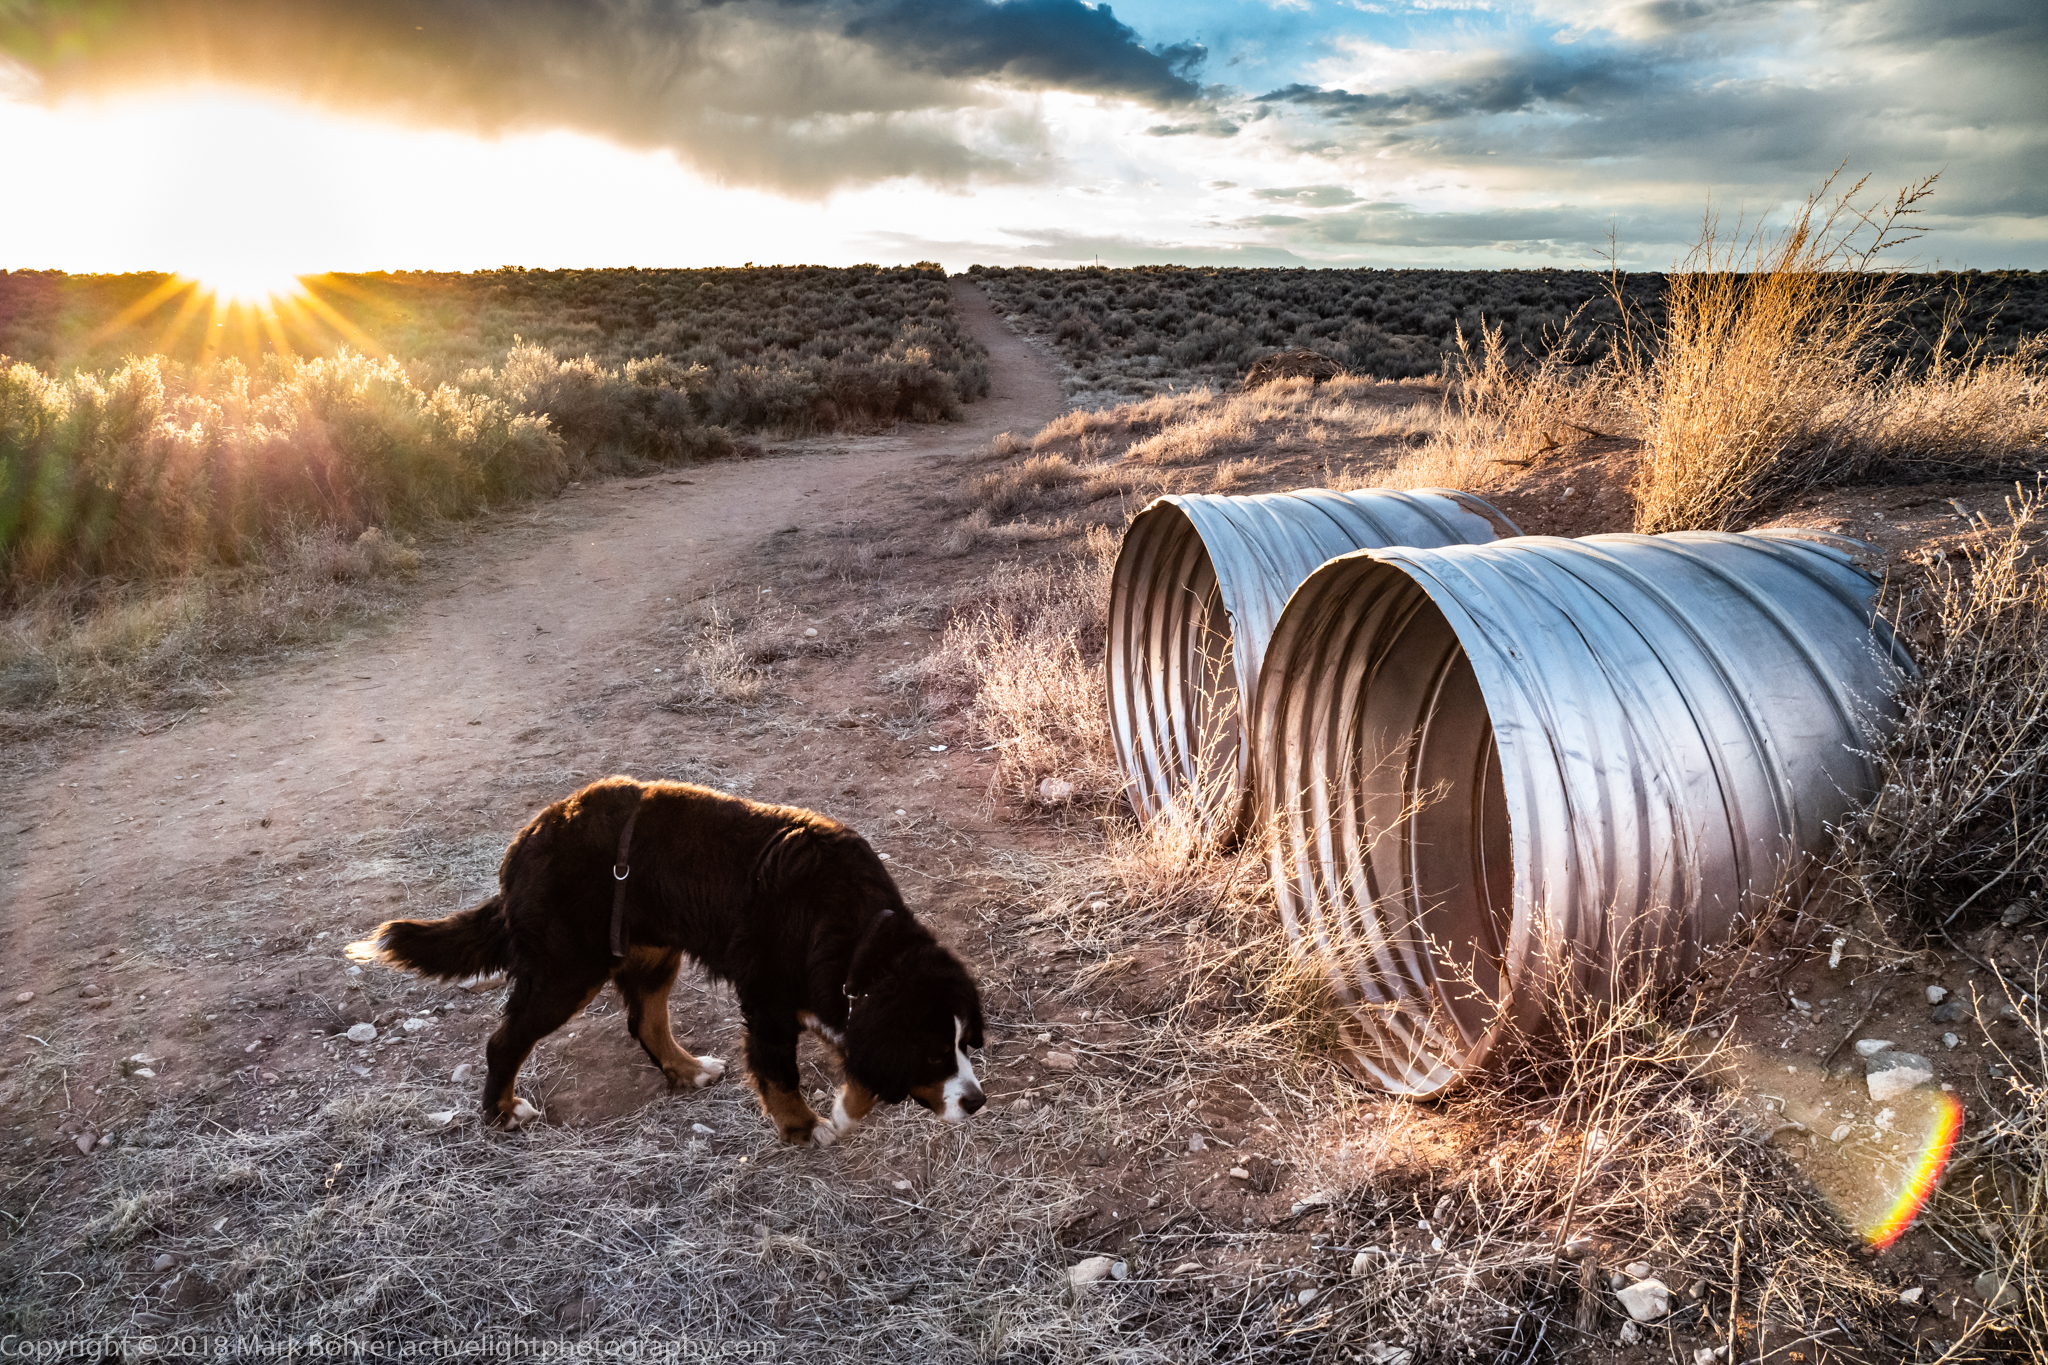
913	1015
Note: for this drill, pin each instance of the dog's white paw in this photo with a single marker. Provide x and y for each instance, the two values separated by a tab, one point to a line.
713	1068
824	1135
523	1112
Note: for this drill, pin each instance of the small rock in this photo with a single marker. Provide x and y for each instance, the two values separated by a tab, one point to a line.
702	1129
1305	1298
1996	1291
362	1033
1055	789
1240	1173
1637	1270
1363	1261
1707	1355
1891	1074
1091	1271
1954	1012
85	1142
253	1046
2015	913
1645	1300
441	1118
415	1025
1936	994
1380	1353
1949	1040
1020	1105
24	997
88	991
164	1261
1577	1248
1061	1061
1319	1199
1197	1143
1842	1131
1187	1268
810	632
1120	1271
1785	1132
355	971
1911	1296
1630	1334
459	1074
1870	1047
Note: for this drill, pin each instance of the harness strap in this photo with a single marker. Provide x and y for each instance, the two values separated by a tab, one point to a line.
860	943
621	870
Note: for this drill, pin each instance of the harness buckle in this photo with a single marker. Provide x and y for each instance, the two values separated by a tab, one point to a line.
621	871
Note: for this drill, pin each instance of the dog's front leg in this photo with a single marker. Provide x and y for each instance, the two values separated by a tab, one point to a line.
771	1060
854	1102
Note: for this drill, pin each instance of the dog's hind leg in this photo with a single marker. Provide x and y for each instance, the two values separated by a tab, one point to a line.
531	1013
771	1060
644	982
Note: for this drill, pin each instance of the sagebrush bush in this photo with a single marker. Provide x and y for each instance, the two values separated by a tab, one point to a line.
148	472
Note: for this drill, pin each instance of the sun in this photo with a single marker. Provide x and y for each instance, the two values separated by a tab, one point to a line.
245	283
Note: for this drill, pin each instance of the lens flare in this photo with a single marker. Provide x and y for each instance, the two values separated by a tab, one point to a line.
246	284
1922	1176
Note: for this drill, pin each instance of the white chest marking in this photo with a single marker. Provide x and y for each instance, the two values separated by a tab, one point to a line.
962	1082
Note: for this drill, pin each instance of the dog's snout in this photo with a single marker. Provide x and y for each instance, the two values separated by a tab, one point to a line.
973	1100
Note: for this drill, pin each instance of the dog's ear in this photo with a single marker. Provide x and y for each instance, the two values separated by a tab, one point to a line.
791	853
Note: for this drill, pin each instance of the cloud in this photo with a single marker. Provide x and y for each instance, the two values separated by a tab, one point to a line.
1496	84
1309	196
800	96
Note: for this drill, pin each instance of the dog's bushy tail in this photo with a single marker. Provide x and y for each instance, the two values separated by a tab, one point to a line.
476	943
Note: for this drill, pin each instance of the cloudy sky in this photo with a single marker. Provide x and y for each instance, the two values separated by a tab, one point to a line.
304	135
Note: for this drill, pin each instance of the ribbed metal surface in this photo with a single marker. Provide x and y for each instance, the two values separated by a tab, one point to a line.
1198	586
1606	748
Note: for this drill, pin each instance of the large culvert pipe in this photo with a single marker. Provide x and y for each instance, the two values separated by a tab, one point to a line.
1198	585
1500	770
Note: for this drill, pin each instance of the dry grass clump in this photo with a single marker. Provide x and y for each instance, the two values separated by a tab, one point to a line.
1960	820
1022	661
1763	378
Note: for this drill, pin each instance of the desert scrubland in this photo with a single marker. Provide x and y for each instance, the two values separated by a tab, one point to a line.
905	628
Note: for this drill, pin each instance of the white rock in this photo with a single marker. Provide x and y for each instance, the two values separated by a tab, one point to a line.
1842	1130
1320	1199
810	632
1380	1353
1055	789
1120	1271
1637	1270
253	1046
1305	1297
701	1129
1646	1300
164	1262
1197	1143
460	1074
362	1033
1892	1074
1936	994
1187	1268
1061	1061
1362	1262
355	971
143	1073
414	1025
442	1117
1707	1355
1091	1271
903	1184
24	997
84	1142
1949	1040
1870	1047
1630	1334
1912	1295
1240	1173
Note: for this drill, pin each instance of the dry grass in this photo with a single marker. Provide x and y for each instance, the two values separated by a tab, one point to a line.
1762	381
101	643
1960	821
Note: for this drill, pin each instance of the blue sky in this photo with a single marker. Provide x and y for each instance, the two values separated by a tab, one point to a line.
322	134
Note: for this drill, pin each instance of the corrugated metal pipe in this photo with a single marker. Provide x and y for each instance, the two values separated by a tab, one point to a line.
1495	770
1198	585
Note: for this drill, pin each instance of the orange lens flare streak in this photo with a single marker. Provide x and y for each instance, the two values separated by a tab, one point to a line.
1924	1175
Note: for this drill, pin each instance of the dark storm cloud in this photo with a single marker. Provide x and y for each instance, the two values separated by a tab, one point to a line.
1503	84
796	96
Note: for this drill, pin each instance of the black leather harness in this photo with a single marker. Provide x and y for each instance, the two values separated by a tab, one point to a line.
621	870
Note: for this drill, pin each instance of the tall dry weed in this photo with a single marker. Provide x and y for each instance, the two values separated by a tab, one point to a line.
1959	824
1737	396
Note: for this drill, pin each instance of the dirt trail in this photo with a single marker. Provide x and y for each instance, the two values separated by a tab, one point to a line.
434	737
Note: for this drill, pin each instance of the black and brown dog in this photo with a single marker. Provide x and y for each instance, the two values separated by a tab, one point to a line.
622	879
